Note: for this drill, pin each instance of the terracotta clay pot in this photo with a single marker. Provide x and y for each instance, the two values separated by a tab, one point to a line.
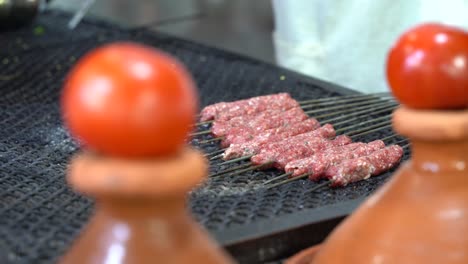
141	215
421	214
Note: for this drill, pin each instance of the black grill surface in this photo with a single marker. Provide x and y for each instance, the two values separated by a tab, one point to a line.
40	215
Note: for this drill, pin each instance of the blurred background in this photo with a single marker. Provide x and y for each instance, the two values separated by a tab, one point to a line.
343	42
241	26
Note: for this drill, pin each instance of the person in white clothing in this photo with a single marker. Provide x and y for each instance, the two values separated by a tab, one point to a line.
346	41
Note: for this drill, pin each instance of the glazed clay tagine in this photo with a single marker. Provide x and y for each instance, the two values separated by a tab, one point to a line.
421	214
132	108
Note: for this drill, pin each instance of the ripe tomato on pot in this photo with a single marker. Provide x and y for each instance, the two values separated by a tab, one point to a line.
427	68
126	99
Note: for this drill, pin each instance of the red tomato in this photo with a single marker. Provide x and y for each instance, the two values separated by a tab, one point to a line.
125	99
428	67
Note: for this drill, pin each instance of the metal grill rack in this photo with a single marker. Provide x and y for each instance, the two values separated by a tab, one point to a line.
40	215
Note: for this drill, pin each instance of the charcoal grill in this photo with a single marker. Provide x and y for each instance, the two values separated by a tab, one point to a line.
40	215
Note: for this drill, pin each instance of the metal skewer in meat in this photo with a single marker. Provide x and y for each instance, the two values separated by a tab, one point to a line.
343	100
221	128
254	146
302	167
253	125
357	132
247	133
364	167
216	152
255	122
290	129
228	110
374	101
358	110
239	142
277	155
340	97
271	135
365	109
327	130
262	121
287	174
225	110
287	157
356	169
316	165
360	116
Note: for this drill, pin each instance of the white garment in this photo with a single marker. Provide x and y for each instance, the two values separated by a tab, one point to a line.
346	41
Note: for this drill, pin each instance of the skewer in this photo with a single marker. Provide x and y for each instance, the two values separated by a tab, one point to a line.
327	182
363	108
346	101
306	175
385	109
80	13
358	124
402	141
355	125
341	99
392	136
367	103
249	169
342	96
200	133
376	127
215	152
323	101
288	180
325	121
366	107
337	131
360	134
211	140
229	170
204	123
406	146
285	175
236	160
282	176
255	167
319	186
327	101
216	157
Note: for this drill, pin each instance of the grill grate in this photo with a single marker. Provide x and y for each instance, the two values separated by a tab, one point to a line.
40	215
